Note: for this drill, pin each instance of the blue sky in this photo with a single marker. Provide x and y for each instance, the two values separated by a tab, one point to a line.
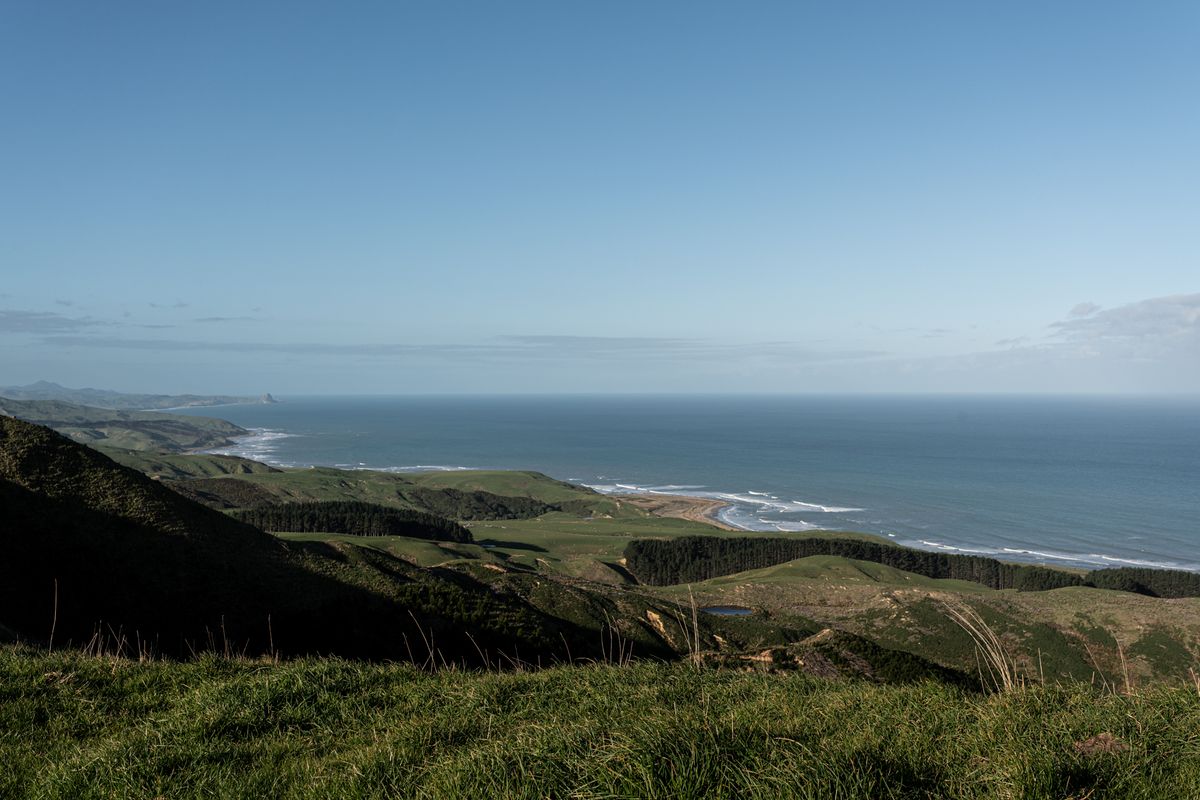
509	197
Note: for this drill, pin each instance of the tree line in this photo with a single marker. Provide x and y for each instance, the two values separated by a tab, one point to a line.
354	518
688	559
1147	581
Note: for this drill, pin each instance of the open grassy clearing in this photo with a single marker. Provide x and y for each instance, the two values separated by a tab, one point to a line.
328	483
574	544
556	542
75	727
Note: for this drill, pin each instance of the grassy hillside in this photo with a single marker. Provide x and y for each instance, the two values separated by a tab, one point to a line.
1076	633
131	430
73	727
181	466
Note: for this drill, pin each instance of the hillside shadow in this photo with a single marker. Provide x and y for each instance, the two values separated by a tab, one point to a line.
489	543
72	573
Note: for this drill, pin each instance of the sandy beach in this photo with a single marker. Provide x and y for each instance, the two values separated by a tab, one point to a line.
696	509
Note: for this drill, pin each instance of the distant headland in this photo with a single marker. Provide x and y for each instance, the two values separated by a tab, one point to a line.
122	401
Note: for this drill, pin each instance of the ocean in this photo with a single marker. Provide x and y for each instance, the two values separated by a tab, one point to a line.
1086	482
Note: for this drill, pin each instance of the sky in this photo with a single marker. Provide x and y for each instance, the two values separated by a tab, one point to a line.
413	197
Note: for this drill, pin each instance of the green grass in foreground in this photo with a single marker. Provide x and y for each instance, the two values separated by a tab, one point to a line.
87	727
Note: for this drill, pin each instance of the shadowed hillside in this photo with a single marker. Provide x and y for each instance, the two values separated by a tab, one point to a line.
93	546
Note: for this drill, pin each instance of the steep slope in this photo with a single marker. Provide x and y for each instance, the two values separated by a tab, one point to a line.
91	546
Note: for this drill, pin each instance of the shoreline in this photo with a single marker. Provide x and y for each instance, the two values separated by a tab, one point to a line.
674	506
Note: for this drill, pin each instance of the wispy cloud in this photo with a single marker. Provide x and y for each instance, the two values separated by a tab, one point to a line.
1145	346
43	322
1084	310
633	347
509	348
226	319
913	330
1156	328
1157	317
607	343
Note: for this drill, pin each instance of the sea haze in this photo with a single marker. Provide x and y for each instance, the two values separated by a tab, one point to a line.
1070	481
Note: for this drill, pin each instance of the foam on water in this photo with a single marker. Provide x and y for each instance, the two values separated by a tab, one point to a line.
928	545
800	504
1097	559
260	444
796	527
421	468
752	510
1045	556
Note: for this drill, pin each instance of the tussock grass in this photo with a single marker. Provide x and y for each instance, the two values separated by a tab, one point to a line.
78	727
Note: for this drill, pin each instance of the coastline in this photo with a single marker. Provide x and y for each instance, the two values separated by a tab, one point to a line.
694	509
717	510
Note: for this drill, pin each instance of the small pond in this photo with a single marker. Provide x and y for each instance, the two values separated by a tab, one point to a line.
728	611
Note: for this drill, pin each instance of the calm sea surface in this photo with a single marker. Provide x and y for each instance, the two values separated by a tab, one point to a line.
1054	480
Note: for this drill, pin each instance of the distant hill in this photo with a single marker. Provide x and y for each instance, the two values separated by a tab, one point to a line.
133	430
103	398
